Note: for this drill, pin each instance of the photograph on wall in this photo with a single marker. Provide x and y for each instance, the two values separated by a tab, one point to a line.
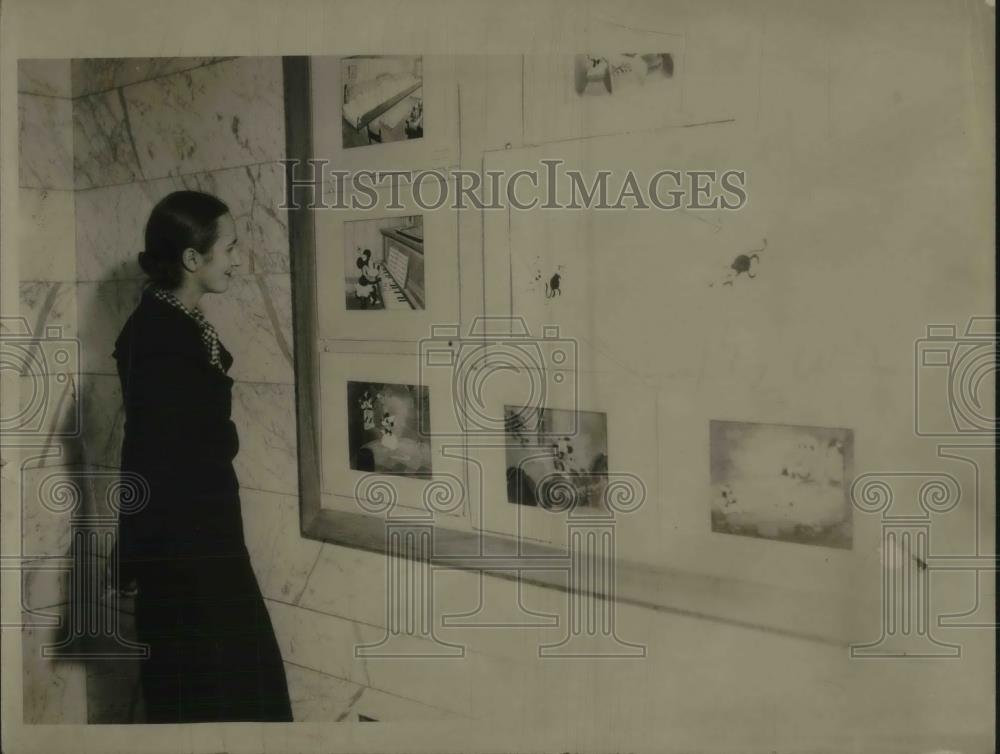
600	93
555	458
782	482
388	428
621	74
383	99
384	264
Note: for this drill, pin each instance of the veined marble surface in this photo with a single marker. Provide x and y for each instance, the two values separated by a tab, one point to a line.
321	698
49	77
264	414
327	643
352	584
282	558
46	230
43	586
45	142
50	497
54	691
53	497
49	419
50	309
217	116
103	144
110	220
254	321
90	75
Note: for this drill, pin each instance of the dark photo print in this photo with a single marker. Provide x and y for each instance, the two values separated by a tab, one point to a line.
384	264
383	99
555	458
388	428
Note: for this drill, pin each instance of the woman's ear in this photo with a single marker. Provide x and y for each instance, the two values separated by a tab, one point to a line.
190	259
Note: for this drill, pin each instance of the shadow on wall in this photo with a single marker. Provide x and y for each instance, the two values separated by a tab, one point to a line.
72	494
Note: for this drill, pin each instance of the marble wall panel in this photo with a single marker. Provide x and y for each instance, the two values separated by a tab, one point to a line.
54	691
282	558
46	228
217	116
90	75
111	219
254	321
45	142
265	417
48	77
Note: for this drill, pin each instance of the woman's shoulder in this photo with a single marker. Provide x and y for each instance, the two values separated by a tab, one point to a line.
155	326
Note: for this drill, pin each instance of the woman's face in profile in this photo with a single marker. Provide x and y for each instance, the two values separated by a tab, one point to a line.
222	259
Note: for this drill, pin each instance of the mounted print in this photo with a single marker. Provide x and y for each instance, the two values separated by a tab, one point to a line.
384	428
555	457
601	93
599	73
381	436
387	275
782	482
383	99
384	263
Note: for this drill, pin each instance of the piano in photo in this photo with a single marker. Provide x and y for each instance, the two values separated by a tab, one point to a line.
403	274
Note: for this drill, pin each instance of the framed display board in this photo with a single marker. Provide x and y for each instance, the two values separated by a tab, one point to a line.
629	379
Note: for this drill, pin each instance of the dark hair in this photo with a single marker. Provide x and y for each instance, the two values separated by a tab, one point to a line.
181	220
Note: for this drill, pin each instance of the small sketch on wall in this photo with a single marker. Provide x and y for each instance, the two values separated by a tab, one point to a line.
548	284
744	264
383	431
384	263
382	99
552	288
556	458
783	482
600	74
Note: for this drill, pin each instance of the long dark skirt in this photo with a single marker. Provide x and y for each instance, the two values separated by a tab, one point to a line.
213	653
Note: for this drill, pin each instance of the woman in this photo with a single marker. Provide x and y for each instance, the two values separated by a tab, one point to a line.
213	655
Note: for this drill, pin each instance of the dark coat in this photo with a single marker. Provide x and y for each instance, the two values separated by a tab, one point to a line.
213	655
178	436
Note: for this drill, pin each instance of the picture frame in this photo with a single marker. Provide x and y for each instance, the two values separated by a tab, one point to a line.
665	555
612	419
416	472
418	251
437	147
